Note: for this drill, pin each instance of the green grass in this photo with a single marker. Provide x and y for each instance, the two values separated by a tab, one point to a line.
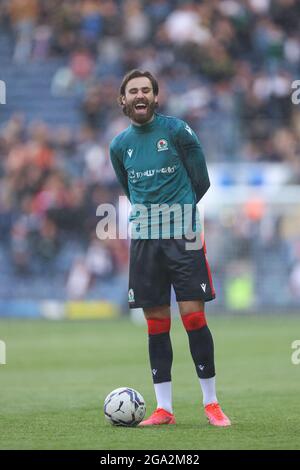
58	374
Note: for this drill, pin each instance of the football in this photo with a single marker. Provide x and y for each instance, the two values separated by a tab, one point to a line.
124	407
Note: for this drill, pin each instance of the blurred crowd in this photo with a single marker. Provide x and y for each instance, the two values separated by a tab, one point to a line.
51	185
254	254
222	65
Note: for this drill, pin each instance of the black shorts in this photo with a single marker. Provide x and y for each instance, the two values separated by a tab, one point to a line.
155	265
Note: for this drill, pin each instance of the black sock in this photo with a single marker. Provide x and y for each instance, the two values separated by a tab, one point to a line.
202	350
161	357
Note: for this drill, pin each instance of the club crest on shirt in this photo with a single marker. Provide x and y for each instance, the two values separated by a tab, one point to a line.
161	145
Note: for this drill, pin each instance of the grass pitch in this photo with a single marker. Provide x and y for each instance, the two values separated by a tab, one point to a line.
58	373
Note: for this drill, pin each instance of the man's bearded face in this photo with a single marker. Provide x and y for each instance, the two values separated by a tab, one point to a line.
139	100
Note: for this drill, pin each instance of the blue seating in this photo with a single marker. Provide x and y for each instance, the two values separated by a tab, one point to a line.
29	90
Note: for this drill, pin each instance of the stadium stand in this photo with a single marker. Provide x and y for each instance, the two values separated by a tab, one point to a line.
226	67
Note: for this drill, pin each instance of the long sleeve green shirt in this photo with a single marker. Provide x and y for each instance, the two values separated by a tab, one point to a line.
161	168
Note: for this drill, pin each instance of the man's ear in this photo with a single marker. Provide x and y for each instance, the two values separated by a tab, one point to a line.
122	99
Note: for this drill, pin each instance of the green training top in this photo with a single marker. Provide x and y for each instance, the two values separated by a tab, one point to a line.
161	168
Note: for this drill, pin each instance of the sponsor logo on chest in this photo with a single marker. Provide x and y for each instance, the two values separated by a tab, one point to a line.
133	175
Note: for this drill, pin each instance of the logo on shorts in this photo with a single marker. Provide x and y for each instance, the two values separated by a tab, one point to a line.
131	296
161	145
203	287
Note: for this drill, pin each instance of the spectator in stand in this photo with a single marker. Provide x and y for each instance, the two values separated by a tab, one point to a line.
23	15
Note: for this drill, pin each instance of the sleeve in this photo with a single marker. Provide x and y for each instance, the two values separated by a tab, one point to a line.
193	159
120	171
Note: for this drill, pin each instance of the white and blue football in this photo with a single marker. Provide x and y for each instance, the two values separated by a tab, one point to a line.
124	407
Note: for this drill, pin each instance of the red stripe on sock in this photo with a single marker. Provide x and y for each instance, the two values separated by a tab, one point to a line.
158	325
194	321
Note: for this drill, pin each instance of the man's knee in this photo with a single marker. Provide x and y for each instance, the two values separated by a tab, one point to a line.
189	306
157	312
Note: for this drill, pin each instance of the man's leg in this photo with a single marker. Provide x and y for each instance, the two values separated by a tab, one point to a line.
161	357
201	346
202	351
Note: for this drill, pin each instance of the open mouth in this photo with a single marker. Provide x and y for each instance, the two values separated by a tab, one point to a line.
140	106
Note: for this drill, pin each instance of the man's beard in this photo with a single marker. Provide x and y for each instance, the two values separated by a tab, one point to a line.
132	113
